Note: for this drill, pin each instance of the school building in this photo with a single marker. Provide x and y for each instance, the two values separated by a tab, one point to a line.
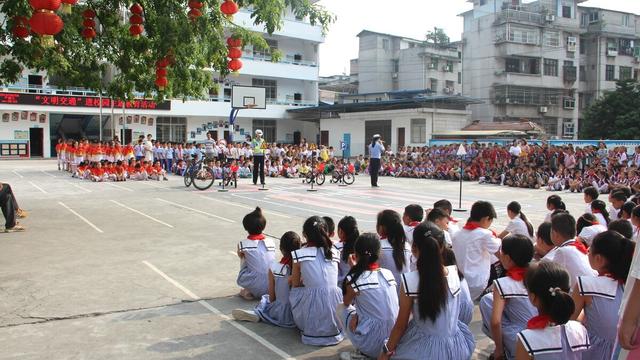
35	112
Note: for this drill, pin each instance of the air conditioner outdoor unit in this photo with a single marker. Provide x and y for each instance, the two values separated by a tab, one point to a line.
612	52
432	66
394	75
550	18
571	47
543	109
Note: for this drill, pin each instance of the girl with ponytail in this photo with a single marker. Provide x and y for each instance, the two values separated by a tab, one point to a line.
314	301
599	210
551	335
370	304
587	227
395	253
554	203
601	296
518	225
256	254
347	233
432	295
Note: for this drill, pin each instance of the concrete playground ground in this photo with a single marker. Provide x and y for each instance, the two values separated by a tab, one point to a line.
147	270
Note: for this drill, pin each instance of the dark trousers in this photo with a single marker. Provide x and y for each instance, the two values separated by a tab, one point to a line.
374	168
258	167
9	205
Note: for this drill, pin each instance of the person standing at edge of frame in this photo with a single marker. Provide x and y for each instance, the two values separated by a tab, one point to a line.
258	157
376	148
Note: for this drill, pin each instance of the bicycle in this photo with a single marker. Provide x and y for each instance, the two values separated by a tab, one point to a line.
199	174
342	176
314	175
229	176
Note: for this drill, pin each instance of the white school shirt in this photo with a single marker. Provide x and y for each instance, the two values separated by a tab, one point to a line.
600	218
634	274
576	263
517	226
408	233
589	232
547	218
473	250
453	227
613	213
587	210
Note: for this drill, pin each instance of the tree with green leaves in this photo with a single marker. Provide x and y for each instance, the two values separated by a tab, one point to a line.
616	115
437	36
196	48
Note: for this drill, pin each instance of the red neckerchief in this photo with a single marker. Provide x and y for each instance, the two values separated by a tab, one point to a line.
596	211
285	261
539	322
471	225
256	237
374	266
453	220
580	246
414	223
516	273
595	222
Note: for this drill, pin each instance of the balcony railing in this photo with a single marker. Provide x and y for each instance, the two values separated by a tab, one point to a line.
285	60
520	16
76	91
570	73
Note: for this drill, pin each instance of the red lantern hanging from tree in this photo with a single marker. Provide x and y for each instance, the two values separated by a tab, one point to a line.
234	65
195	11
89	31
234	42
136	20
44	20
161	73
229	8
20	27
67	5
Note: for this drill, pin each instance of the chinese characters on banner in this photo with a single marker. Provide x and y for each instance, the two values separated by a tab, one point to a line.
80	101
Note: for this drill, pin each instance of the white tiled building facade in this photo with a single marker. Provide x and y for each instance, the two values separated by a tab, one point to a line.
291	82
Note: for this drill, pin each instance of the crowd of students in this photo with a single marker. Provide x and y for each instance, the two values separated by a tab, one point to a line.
407	290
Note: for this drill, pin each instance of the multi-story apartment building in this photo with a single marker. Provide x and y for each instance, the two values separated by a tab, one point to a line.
389	63
43	112
544	60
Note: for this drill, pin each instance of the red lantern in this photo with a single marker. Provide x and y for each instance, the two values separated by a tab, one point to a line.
136	9
89	23
136	19
46	24
234	42
195	4
164	62
89	31
229	8
161	72
66	6
20	27
88	14
88	34
161	83
194	14
234	53
136	30
51	5
235	65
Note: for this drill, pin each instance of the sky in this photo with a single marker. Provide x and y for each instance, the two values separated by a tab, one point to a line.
408	18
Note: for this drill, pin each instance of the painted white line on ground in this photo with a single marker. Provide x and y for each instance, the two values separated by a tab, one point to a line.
196	210
81	217
295	207
143	214
154	185
78	186
245	206
215	311
17	173
119	187
37	187
46	173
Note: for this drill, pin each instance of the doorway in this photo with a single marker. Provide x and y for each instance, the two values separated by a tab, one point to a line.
125	136
324	138
36	142
381	127
400	137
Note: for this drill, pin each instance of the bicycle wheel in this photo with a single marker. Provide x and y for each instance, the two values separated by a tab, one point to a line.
235	180
348	178
309	177
203	178
320	179
188	179
335	176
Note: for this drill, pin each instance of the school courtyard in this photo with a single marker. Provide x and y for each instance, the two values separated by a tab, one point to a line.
147	270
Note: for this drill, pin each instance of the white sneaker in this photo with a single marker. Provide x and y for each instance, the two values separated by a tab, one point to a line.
353	355
245	315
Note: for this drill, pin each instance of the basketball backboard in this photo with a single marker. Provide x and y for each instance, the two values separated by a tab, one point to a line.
248	97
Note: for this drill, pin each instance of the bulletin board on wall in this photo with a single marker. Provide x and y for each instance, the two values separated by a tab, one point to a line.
14	149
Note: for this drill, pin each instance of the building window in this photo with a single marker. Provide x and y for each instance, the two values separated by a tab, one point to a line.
523	66
396	65
523	35
626	72
584	20
612	45
171	129
568	128
265	53
566	12
594	17
610	74
385	44
418	131
268	128
270	85
550	125
550	67
625	47
434	63
625	20
459	77
583	73
449	66
434	85
551	38
583	46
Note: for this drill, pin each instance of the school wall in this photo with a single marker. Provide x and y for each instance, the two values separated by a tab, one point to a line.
354	123
9	130
284	128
